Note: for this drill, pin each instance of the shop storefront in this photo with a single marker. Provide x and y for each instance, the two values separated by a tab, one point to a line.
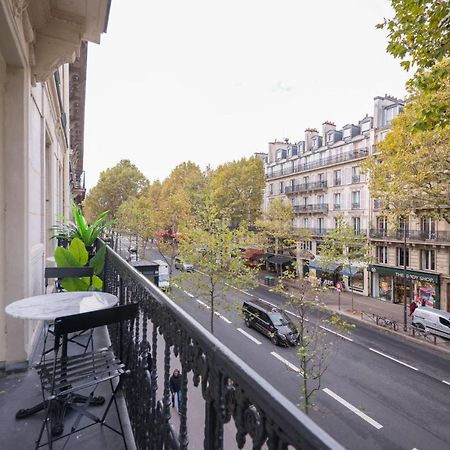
328	273
422	287
354	277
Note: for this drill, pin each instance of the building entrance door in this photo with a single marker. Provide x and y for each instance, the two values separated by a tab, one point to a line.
399	290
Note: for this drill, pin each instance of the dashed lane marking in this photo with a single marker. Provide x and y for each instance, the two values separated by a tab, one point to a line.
203	303
188	293
352	408
446	382
393	359
337	334
286	362
215	312
249	336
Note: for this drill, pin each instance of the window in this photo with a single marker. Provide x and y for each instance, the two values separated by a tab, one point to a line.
320	224
382	254
281	187
330	137
356	177
403	226
306	245
337	177
428	228
382	225
306	181
356	199
320	199
428	259
281	154
337	201
444	321
400	257
365	126
347	133
271	189
389	113
305	222
336	223
321	179
356	224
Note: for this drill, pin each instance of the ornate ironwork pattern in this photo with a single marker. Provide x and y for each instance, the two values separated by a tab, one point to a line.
229	387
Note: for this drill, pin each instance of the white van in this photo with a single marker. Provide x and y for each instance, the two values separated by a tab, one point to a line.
432	320
163	274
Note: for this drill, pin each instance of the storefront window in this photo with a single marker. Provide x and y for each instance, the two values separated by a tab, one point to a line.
425	294
385	287
357	281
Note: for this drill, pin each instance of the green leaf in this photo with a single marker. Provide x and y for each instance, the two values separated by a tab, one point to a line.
75	284
78	250
97	283
98	261
65	258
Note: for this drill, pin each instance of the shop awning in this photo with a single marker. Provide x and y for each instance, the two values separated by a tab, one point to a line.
350	271
317	264
279	259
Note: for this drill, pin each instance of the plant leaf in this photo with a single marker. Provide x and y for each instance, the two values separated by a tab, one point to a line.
75	284
78	250
98	261
65	258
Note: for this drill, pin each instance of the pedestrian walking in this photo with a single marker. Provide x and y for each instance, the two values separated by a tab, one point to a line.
175	388
412	307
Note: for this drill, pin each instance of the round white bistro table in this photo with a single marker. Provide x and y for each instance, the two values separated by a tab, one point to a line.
48	307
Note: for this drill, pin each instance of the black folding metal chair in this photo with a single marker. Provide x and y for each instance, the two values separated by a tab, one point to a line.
65	377
58	273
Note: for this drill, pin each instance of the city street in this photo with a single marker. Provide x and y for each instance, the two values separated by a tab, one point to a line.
379	391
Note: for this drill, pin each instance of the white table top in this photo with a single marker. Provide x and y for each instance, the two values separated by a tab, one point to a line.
50	306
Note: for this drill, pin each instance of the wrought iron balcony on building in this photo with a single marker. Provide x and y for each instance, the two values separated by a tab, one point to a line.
306	187
229	388
315	208
330	160
356	205
411	235
356	179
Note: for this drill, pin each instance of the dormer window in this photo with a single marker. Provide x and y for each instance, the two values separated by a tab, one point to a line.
281	154
330	137
316	142
347	133
389	113
365	126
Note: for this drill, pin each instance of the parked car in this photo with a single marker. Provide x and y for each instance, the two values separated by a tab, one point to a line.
180	265
270	321
432	320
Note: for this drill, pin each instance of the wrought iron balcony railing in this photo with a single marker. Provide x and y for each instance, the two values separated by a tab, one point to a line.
318	208
229	387
356	178
412	235
348	156
305	187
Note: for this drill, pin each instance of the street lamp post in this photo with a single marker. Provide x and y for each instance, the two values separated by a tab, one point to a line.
405	317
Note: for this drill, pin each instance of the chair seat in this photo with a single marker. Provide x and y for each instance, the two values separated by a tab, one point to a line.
79	372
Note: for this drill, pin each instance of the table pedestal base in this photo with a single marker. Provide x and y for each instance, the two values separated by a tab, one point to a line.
59	409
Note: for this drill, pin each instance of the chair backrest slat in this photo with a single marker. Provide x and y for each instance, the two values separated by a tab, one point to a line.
94	319
68	272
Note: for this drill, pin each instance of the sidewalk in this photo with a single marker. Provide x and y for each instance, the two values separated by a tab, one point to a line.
367	309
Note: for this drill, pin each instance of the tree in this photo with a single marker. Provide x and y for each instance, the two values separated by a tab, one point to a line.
419	32
276	225
136	215
345	247
215	251
315	345
114	186
412	167
237	189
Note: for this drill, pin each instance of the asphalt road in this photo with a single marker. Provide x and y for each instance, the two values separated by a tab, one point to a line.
380	391
377	393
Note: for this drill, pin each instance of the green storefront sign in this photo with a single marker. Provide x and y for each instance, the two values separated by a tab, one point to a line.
411	275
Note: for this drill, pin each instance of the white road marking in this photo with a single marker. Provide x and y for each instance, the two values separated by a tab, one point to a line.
249	336
225	319
352	408
446	382
393	359
337	334
188	293
286	362
203	303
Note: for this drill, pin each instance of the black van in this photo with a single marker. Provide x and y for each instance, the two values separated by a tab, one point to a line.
270	321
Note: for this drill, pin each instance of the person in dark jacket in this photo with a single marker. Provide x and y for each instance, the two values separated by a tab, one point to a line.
175	387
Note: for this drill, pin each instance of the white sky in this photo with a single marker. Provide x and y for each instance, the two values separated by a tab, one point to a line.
212	81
